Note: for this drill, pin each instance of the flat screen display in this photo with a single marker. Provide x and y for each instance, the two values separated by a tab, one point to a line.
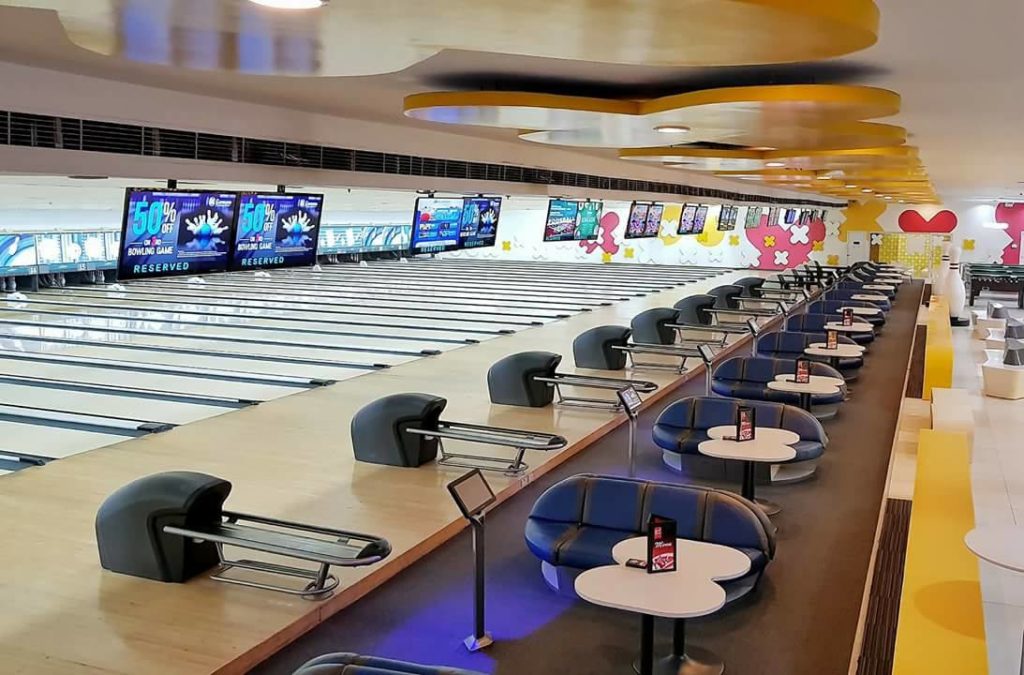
699	219
276	230
654	216
472	493
563	215
636	226
166	232
589	220
687	218
436	224
791	216
479	227
727	220
17	254
753	217
768	216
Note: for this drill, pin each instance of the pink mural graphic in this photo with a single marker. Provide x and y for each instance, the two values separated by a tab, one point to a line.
605	236
781	248
1012	215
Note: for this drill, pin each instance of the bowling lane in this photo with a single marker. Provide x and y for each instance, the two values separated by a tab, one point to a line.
100	345
430	308
456	318
125	378
53	442
214	340
255	316
415	287
254	325
99	404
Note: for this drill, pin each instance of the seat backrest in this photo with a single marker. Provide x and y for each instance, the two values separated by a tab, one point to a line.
726	296
693	310
704	412
678	414
808	323
650	327
626	504
833	306
751	286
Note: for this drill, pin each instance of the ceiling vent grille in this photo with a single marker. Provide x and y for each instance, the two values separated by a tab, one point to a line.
44	131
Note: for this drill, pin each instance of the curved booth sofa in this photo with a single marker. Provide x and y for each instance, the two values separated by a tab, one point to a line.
682	427
833	308
791	345
846	295
748	377
815	323
575	524
344	663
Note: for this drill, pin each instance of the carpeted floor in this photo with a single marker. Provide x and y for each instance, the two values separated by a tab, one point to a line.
801	620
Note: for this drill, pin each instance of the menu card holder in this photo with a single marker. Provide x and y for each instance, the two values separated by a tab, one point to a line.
803	371
661	545
847	316
832	339
745	421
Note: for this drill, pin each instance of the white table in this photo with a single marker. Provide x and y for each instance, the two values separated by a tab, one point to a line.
1000	545
878	287
806	391
764	448
689	592
855	328
861	311
770	434
842	351
869	297
824	379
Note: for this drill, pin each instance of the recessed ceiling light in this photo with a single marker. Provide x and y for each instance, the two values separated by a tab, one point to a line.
291	4
887	197
867	190
824	178
775	165
672	129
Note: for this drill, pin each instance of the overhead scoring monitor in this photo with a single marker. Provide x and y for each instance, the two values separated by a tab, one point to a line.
571	220
168	232
443	224
277	230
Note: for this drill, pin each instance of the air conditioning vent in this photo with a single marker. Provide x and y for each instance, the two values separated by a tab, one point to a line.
43	131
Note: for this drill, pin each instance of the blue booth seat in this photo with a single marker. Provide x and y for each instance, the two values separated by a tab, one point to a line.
833	309
748	377
352	664
791	345
682	427
576	523
815	323
846	295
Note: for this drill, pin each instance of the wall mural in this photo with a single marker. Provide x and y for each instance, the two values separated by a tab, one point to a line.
1013	216
861	217
913	221
605	236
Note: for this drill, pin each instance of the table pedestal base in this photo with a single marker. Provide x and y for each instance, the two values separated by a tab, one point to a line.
697	661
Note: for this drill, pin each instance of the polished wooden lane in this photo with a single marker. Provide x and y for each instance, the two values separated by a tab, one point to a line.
290	458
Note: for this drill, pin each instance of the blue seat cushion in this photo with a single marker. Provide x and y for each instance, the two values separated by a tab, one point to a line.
545	537
589	547
806	450
758	560
674	439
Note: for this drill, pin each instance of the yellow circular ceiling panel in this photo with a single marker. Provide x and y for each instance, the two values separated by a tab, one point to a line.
383	36
805	116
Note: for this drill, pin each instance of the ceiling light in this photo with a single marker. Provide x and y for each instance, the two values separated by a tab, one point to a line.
672	129
867	190
887	197
824	178
291	4
775	165
850	187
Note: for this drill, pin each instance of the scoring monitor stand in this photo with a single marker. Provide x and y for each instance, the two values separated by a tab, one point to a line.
472	494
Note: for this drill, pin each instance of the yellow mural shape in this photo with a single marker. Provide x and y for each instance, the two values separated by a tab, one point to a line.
711	236
629	253
968	244
670	224
606	257
506	246
385	36
734	240
861	217
818	246
832	260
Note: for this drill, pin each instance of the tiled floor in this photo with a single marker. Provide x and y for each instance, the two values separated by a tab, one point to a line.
998	482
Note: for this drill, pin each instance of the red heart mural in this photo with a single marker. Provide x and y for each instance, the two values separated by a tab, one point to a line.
941	223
